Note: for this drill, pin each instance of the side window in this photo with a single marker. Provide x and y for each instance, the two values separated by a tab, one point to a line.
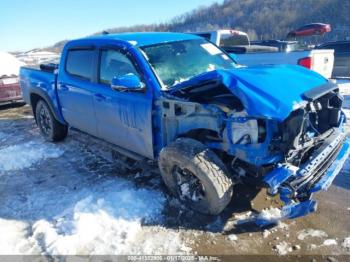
80	63
114	64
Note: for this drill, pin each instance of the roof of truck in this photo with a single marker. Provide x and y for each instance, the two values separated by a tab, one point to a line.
147	38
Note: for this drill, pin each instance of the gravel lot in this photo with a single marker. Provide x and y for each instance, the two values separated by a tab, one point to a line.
76	197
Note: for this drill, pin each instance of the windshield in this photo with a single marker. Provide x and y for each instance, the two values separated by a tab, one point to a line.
176	62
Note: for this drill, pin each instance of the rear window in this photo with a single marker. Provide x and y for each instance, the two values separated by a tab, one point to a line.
233	40
79	63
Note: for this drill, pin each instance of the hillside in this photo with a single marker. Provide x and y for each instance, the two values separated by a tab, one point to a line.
262	19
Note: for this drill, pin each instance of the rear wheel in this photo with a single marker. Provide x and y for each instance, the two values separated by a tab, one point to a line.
196	175
50	128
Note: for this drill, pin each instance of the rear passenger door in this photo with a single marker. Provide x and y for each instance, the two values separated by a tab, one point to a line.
76	90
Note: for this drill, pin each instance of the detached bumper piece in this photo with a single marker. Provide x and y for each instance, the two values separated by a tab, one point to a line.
296	185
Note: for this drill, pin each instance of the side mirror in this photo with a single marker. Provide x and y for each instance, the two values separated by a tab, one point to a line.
127	82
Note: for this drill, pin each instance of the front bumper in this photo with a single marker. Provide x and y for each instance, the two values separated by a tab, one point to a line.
296	185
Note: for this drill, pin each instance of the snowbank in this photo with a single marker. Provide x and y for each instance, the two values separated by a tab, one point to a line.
25	155
12	236
9	65
111	218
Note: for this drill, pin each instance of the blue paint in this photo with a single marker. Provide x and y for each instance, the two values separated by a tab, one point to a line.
277	176
286	194
334	169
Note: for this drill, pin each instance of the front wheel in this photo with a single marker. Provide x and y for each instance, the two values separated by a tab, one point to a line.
50	128
196	175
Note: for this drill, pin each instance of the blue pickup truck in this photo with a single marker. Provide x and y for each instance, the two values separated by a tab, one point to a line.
181	100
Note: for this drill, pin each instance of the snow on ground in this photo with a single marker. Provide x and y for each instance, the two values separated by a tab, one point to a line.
346	243
76	212
16	234
330	242
116	220
266	233
243	218
283	248
2	136
232	237
306	233
26	154
112	222
269	215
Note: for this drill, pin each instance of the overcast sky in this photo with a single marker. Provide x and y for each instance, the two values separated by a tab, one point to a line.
38	23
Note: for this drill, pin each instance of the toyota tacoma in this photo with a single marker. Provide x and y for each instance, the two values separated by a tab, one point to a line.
181	100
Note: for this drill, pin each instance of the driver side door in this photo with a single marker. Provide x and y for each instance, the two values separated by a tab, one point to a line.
124	117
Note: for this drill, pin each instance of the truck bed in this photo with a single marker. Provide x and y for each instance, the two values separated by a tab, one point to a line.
35	78
43	82
323	60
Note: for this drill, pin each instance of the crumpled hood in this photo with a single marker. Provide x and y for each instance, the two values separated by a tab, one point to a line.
271	91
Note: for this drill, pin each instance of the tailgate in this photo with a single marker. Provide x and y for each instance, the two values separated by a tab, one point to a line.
323	61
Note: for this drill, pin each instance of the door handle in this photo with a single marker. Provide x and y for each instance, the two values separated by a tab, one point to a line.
100	97
63	87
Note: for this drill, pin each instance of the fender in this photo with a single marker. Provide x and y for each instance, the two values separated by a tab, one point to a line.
54	109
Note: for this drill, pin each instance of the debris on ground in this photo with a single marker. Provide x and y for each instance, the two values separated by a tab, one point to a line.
296	247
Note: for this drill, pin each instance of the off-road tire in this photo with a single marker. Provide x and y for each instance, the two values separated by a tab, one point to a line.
56	131
205	165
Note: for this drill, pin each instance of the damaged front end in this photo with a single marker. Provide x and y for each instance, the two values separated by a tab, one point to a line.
287	136
315	147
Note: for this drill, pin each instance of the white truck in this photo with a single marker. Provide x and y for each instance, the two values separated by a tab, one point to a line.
238	43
